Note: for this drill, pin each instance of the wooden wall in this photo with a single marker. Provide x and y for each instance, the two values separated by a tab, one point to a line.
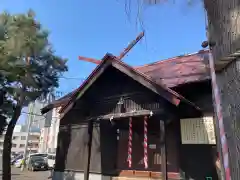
102	98
108	148
112	86
198	93
154	155
197	161
72	148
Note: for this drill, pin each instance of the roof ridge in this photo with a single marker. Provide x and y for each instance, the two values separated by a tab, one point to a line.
172	58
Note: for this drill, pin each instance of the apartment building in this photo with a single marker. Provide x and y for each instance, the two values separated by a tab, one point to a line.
53	132
34	115
48	138
19	140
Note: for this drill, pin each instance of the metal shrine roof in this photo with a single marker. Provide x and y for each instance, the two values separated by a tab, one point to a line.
179	70
171	72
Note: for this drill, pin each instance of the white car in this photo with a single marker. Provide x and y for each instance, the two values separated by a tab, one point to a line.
18	163
51	160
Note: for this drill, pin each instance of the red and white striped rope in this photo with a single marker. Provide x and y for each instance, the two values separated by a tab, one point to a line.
218	108
130	144
145	143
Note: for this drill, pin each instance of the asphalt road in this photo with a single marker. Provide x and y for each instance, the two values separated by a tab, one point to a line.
26	175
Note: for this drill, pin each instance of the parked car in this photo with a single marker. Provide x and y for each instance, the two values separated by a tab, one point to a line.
38	154
14	160
37	163
51	160
44	155
18	163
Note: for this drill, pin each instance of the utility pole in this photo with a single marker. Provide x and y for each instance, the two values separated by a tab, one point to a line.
50	98
221	135
30	119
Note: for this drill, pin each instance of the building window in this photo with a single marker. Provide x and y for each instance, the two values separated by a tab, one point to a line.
33	137
22	145
23	137
33	151
14	145
14	137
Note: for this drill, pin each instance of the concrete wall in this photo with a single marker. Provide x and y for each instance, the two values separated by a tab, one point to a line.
49	135
54	129
43	145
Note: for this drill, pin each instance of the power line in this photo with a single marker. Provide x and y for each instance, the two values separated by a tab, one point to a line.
35	114
74	78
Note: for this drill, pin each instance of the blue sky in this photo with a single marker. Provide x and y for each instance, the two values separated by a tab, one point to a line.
92	28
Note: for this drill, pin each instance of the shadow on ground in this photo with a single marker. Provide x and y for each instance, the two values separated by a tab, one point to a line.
12	174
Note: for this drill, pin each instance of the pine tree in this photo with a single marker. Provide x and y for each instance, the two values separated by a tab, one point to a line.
29	68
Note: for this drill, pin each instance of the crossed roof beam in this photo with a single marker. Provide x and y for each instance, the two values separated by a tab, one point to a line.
66	100
122	54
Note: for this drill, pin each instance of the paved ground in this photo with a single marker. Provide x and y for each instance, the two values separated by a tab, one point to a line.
26	175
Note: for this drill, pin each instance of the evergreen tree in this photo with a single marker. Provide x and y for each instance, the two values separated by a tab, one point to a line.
29	69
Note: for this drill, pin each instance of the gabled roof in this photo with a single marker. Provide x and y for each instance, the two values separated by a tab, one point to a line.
110	60
169	73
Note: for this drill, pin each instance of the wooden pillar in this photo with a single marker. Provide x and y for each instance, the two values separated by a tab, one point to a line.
88	151
163	150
